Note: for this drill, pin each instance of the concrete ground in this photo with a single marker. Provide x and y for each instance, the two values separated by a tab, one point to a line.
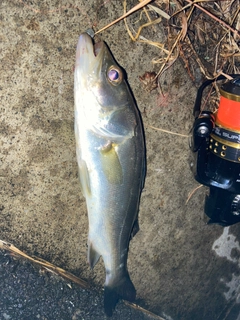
29	292
182	268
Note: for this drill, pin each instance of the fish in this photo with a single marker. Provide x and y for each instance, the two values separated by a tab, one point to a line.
111	156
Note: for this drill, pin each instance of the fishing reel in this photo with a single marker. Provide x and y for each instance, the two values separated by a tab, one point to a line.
216	144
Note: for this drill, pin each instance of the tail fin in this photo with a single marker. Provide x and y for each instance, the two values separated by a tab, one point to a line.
122	290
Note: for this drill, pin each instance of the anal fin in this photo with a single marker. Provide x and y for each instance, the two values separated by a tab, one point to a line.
93	255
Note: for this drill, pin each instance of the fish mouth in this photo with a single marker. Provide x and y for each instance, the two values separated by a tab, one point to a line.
88	53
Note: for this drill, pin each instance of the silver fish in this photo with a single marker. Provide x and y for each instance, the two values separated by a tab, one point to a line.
111	159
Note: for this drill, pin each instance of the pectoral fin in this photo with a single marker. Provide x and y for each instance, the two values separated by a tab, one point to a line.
110	164
84	178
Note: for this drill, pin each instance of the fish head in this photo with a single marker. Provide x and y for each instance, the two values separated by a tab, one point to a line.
97	73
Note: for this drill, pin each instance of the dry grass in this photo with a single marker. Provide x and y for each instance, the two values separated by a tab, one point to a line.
204	34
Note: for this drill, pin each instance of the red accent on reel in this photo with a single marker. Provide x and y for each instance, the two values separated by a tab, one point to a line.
228	114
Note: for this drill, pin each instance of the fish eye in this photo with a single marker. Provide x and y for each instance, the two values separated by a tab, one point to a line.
114	75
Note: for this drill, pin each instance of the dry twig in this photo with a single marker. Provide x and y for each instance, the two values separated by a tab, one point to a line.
170	132
137	7
47	265
192	192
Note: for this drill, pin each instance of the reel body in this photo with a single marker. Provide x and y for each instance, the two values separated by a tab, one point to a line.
216	144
